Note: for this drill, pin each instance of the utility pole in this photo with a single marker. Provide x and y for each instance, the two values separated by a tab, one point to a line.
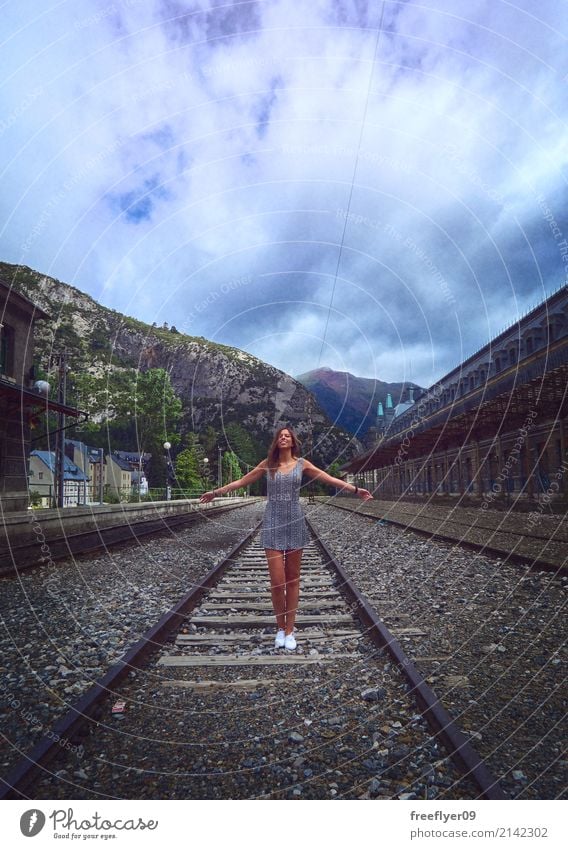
60	441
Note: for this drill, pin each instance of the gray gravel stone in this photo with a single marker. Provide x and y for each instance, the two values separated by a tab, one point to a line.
294	737
373	694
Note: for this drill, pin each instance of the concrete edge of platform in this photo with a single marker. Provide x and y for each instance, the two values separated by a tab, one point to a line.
489	547
17	526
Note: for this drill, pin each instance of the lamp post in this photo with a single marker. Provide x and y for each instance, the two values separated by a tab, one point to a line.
101	472
60	440
168	459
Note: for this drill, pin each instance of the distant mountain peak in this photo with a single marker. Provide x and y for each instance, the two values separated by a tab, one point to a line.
351	401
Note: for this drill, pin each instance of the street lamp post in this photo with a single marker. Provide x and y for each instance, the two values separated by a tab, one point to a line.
169	469
101	473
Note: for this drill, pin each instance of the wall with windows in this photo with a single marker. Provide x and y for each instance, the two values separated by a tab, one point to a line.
498	470
499	460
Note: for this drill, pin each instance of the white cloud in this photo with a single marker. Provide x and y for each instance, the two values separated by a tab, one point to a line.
155	151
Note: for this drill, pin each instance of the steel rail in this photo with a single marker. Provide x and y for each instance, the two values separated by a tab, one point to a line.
28	556
534	564
83	712
440	721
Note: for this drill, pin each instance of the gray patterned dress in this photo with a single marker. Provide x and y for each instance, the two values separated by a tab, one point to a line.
284	527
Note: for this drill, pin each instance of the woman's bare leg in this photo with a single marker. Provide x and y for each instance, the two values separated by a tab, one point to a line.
292	572
277	584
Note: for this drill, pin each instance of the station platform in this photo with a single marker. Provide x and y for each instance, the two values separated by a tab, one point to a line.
19	528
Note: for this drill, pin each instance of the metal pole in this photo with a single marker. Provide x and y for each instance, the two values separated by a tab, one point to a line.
85	470
60	444
219	467
310	447
168	475
101	483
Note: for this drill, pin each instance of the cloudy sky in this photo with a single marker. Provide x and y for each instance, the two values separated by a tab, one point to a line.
376	187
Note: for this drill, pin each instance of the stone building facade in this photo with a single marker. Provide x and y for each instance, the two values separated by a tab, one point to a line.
494	429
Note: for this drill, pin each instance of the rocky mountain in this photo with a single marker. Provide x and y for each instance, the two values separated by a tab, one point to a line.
218	384
350	401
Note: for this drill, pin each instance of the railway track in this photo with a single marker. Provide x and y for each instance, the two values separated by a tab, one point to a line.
20	558
516	545
212	710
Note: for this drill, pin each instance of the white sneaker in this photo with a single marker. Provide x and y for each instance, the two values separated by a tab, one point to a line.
290	642
280	639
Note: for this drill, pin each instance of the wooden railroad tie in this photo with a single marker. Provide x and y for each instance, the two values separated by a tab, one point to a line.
242	684
268	621
251	659
265	639
264	605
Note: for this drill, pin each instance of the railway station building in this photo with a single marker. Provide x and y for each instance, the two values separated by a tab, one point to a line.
20	399
493	430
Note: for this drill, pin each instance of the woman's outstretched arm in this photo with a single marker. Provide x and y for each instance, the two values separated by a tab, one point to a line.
318	474
250	477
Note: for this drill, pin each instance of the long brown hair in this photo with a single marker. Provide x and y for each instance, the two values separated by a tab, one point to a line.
274	450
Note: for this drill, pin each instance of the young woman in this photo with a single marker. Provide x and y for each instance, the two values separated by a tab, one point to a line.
284	531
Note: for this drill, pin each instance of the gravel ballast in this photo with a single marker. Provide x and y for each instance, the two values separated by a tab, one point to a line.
64	624
221	713
493	643
489	646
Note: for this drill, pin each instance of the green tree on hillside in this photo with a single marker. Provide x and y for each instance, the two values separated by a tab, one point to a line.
232	470
242	444
208	438
188	473
157	412
106	397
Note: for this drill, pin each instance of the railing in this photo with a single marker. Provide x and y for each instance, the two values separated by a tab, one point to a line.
177	494
43	495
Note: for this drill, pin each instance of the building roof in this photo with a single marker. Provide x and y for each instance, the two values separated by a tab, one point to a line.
403	407
544	307
27	399
8	295
125	465
132	456
92	453
536	380
71	472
